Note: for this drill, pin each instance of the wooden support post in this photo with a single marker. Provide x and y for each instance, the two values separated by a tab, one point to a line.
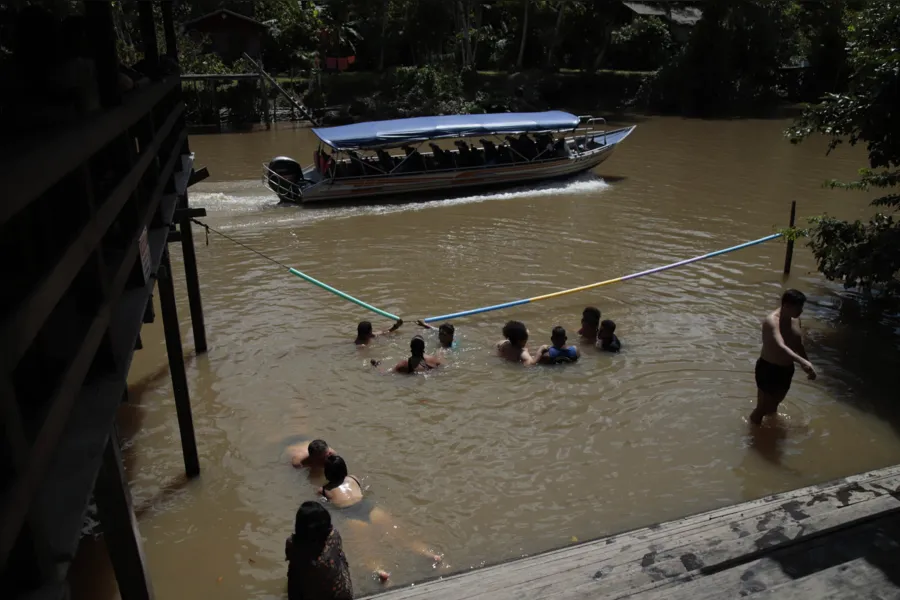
789	253
120	528
148	36
169	28
193	285
176	367
265	102
102	40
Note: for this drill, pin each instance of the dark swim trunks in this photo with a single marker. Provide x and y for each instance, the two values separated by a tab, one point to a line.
361	511
773	379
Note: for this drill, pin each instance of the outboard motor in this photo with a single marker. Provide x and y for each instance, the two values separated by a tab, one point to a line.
285	178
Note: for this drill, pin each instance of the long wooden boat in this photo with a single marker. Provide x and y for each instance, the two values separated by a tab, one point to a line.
514	148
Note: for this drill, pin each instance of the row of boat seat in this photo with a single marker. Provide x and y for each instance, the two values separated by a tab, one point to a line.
465	156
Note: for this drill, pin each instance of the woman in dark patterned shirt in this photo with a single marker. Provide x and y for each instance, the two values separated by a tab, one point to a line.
317	567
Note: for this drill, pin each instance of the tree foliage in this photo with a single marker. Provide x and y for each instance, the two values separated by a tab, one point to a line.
864	255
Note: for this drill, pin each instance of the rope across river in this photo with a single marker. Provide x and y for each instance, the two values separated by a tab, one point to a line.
493	307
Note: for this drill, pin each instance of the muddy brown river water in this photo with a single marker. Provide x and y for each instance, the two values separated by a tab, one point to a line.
481	460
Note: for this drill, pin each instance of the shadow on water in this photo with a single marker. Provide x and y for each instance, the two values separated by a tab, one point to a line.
865	348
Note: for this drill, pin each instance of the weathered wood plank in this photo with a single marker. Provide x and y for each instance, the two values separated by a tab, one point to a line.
856	579
698	546
47	158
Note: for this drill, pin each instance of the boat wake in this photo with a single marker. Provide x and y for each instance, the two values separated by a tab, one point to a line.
255	207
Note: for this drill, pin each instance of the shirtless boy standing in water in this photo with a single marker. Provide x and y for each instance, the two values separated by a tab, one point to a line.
782	346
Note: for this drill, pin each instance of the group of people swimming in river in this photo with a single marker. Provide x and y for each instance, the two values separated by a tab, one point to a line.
600	334
519	148
317	566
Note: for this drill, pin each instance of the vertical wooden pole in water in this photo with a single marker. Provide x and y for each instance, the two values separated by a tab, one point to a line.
192	279
789	253
120	528
176	367
265	101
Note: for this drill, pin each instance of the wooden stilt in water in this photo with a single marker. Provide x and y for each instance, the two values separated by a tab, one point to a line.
120	528
789	253
176	367
192	279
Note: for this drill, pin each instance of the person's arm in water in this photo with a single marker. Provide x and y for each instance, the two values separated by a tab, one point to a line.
772	335
424	325
526	358
393	328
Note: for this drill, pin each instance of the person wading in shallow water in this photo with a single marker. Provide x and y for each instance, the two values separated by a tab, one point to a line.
317	567
782	346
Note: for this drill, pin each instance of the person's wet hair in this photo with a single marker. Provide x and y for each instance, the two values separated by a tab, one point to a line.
335	469
447	328
608	325
364	329
591	315
317	448
312	524
515	332
793	297
559	332
417	349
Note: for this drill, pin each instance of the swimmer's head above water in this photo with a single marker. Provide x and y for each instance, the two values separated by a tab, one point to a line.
445	334
792	302
558	337
319	451
364	332
590	319
606	331
516	333
335	470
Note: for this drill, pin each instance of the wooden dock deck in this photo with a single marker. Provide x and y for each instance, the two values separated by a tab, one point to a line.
835	540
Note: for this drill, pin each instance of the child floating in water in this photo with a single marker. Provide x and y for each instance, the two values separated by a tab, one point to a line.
558	353
606	337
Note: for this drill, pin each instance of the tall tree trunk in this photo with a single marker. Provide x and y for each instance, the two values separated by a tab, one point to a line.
521	57
463	8
556	32
604	46
384	19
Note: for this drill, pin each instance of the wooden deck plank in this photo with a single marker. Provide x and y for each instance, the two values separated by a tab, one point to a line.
662	555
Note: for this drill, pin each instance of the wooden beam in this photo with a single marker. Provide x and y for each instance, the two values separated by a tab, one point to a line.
42	160
148	37
20	327
169	29
198	176
182	214
102	40
120	527
17	501
176	367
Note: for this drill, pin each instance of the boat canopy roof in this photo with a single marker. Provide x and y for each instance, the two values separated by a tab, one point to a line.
378	134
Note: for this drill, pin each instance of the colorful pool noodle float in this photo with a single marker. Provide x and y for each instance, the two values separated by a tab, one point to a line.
338	292
681	263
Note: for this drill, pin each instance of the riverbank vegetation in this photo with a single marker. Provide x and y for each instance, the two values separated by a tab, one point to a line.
864	255
716	57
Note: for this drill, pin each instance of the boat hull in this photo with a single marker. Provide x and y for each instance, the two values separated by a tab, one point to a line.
453	182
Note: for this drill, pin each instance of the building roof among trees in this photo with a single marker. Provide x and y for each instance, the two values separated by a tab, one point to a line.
222	13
